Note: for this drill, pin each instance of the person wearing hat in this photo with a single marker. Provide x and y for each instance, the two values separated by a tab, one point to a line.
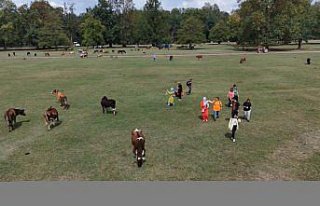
170	101
233	127
204	105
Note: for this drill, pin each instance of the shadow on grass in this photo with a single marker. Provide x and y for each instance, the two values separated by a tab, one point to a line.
228	135
20	123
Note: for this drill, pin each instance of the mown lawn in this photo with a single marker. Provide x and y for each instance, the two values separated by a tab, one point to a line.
91	146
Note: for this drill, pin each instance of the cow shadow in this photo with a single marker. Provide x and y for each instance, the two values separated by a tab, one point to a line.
20	123
200	117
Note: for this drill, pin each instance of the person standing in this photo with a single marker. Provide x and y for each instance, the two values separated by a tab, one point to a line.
233	127
247	109
204	105
189	85
235	92
230	97
179	91
216	108
235	108
170	101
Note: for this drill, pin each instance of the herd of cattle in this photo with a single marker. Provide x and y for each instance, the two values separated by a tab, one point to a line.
51	119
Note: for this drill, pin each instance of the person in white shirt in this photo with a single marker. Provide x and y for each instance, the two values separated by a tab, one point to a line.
233	126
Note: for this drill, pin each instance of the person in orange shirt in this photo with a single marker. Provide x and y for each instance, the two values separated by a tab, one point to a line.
204	105
216	107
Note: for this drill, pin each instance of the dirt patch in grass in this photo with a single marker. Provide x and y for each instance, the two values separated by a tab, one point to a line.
285	161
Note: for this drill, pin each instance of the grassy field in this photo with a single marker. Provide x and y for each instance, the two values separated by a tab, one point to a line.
282	142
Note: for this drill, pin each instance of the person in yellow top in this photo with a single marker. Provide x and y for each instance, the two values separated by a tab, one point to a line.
171	97
216	107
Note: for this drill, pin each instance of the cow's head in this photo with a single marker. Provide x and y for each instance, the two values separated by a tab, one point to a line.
20	111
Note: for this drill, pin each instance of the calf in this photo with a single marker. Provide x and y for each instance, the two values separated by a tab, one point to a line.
61	98
51	117
11	115
242	60
108	103
47	54
199	57
138	148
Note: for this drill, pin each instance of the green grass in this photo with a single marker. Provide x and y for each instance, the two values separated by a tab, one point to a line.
91	146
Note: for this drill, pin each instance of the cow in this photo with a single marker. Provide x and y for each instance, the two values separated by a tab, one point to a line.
138	148
11	115
108	103
61	98
35	54
170	58
51	117
28	53
243	59
9	54
122	52
47	54
14	53
199	57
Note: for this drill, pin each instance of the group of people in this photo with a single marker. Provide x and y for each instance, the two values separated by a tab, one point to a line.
233	103
178	92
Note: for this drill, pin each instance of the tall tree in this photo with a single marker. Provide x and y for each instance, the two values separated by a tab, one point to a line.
158	30
92	31
126	21
105	12
8	17
191	32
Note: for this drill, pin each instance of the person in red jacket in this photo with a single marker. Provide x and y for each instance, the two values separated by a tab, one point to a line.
204	105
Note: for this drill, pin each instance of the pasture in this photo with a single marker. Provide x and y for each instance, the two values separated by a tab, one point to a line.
282	142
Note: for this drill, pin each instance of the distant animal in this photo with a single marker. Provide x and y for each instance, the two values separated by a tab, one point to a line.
14	53
10	116
61	98
47	54
122	52
138	146
9	55
242	60
51	117
99	55
84	54
106	51
308	61
112	51
170	58
28	53
35	54
199	57
108	104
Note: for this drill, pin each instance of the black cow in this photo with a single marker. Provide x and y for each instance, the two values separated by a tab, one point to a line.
108	103
10	116
28	53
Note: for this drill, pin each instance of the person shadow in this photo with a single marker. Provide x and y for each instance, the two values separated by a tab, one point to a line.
228	135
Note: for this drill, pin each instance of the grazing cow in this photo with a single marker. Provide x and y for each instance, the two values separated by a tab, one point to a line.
199	57
51	117
28	53
138	149
84	54
122	52
170	58
242	60
47	54
61	98
11	115
14	53
35	54
9	54
108	103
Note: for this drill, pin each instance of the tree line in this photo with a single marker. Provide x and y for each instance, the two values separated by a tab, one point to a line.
255	22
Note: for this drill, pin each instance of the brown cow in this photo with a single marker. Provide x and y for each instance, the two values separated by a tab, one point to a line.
10	116
242	60
199	57
51	117
138	141
61	98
